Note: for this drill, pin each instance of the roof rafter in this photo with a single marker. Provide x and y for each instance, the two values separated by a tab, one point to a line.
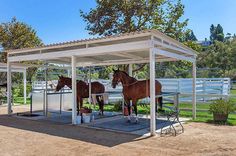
127	55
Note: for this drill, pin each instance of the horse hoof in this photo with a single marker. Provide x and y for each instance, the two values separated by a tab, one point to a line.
128	121
136	121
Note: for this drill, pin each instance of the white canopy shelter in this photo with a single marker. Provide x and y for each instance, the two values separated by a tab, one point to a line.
17	68
147	46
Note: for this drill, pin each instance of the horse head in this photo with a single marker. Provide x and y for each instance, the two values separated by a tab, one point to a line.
116	78
61	83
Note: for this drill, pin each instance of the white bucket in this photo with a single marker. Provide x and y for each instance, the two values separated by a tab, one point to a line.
78	120
87	118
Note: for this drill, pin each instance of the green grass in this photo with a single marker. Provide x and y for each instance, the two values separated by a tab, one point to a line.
18	100
208	118
145	109
201	116
233	92
108	107
189	105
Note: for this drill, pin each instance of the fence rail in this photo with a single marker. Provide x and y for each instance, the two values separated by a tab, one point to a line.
233	84
206	88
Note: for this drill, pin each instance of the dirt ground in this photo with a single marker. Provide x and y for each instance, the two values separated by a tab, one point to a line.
26	137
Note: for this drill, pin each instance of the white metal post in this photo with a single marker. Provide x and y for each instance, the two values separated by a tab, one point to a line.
130	74
74	94
194	90
68	73
130	69
46	89
9	91
204	89
25	85
152	93
90	87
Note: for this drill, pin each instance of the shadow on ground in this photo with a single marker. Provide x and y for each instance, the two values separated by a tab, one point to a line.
100	137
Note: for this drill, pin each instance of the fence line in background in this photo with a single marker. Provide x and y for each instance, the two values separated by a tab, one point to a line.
206	88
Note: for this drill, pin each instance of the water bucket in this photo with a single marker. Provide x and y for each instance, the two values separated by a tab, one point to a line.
87	118
78	120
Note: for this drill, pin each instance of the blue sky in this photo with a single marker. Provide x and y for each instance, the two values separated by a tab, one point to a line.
59	20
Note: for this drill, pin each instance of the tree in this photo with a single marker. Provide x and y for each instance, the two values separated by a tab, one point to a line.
218	55
189	36
233	52
111	17
16	35
216	33
212	33
219	33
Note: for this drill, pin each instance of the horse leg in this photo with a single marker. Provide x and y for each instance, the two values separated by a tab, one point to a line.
100	104
129	111
136	110
78	104
81	102
128	106
160	101
156	102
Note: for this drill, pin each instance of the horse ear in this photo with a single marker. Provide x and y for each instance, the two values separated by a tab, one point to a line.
113	70
59	76
118	69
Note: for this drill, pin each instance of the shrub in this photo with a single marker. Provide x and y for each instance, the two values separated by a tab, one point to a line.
18	90
222	107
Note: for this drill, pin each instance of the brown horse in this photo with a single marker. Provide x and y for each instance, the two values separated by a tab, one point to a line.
135	90
83	91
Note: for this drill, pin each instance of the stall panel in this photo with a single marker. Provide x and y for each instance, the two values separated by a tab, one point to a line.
37	100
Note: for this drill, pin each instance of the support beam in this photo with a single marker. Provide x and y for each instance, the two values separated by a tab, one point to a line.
90	87
127	61
127	55
173	55
46	89
173	47
130	69
25	86
194	90
74	94
86	52
9	91
152	93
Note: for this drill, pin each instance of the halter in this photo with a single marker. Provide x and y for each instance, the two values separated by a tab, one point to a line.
126	85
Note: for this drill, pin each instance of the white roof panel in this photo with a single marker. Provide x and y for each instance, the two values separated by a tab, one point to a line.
118	49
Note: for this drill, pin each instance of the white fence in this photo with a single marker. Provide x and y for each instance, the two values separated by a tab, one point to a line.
206	88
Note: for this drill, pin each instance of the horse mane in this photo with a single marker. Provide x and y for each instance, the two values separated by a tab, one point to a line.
134	79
